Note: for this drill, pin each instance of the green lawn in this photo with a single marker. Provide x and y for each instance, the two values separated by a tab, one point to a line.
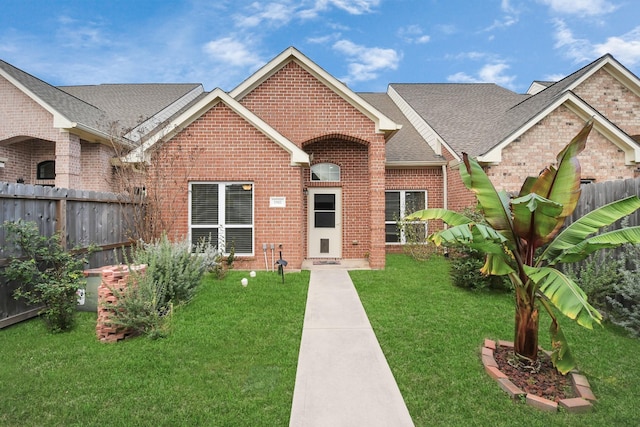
431	334
230	360
231	357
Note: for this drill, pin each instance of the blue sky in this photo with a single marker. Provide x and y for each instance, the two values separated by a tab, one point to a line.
365	43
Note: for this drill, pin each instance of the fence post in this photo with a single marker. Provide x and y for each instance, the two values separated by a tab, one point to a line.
61	225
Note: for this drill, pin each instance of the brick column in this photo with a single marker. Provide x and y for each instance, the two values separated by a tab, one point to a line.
377	202
68	167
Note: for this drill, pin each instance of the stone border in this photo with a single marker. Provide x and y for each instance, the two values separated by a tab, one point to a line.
581	386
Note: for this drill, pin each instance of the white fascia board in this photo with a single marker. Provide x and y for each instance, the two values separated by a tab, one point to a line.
582	110
619	72
382	122
431	137
298	156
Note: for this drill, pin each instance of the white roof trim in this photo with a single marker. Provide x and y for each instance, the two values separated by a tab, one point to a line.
583	110
59	120
617	70
382	122
429	134
298	156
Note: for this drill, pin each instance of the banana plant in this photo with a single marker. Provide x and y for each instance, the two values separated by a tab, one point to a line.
523	237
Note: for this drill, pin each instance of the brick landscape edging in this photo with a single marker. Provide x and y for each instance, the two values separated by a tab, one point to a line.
581	387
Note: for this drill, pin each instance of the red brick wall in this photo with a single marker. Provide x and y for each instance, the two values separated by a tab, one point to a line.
96	166
458	197
611	98
221	146
538	147
352	158
304	110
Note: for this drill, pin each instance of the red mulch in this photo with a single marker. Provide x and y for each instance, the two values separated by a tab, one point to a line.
547	383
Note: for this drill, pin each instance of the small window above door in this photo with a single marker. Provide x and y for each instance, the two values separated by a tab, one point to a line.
327	172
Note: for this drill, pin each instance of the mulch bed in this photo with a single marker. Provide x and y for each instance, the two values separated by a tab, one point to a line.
547	382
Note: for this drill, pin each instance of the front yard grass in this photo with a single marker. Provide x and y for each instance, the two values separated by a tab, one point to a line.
230	360
431	333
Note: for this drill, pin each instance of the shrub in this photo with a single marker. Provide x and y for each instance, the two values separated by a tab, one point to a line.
174	271
140	307
597	276
467	262
176	267
49	275
625	303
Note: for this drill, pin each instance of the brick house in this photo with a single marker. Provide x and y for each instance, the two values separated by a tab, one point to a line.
292	156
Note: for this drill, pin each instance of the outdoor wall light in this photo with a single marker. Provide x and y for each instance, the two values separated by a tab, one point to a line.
246	187
3	160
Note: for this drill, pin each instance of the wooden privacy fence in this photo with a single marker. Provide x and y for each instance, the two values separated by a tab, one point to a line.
82	218
596	195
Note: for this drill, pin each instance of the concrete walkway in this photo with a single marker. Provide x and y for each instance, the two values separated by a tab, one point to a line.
343	378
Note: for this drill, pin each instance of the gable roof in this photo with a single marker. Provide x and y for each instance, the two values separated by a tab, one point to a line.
482	118
197	109
406	147
382	122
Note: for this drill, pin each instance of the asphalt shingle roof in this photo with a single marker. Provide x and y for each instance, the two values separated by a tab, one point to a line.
130	104
406	145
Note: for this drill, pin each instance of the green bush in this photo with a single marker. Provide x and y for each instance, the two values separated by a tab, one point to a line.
174	271
48	275
597	276
466	264
625	301
176	267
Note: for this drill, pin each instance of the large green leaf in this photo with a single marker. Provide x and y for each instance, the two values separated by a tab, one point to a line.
562	183
564	294
448	216
495	206
497	264
535	218
561	356
590	223
612	239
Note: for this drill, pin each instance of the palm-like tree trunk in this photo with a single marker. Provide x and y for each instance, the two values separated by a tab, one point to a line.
526	330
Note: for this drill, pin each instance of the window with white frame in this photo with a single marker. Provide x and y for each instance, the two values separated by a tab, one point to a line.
223	213
325	172
398	204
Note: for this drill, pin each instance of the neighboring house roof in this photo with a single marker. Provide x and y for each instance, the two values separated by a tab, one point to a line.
202	105
133	105
406	147
68	111
382	122
482	118
462	115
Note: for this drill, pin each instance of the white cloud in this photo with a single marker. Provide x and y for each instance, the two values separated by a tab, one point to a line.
232	52
626	48
274	14
580	7
366	62
554	77
577	49
323	39
490	73
413	34
352	7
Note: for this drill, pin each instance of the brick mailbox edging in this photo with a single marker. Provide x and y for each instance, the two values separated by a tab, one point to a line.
114	279
581	387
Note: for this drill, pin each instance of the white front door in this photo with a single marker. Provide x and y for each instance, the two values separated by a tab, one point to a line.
325	222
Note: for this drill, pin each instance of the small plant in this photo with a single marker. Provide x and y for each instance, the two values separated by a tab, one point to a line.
49	275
